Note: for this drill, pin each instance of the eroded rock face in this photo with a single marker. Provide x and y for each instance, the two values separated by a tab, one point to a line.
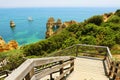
68	23
2	44
106	16
12	23
13	44
10	46
51	24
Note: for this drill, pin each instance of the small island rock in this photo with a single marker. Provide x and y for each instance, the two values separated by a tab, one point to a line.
12	23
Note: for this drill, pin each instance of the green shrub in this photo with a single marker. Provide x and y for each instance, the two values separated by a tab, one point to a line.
88	40
95	19
90	29
117	12
73	28
114	19
69	42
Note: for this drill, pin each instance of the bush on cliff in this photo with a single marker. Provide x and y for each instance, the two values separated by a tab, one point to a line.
95	19
117	12
46	46
114	19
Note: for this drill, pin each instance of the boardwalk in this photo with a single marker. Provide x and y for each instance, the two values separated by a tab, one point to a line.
88	69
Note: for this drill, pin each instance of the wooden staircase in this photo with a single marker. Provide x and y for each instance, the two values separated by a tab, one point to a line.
71	65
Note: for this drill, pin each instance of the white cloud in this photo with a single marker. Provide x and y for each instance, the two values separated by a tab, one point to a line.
59	3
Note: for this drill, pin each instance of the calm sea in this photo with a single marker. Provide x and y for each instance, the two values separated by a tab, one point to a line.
27	32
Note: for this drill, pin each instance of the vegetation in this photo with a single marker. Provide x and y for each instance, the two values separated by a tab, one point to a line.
92	31
14	59
95	19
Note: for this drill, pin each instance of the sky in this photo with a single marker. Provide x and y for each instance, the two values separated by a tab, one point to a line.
59	3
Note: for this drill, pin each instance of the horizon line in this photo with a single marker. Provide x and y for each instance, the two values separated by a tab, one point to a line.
65	7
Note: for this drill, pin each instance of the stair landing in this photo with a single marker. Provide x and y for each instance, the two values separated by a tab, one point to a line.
88	69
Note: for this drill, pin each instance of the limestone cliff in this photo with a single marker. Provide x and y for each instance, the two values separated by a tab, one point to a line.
10	46
51	24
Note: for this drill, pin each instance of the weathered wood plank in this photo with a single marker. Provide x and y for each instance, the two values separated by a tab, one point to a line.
51	70
42	61
29	64
21	71
62	75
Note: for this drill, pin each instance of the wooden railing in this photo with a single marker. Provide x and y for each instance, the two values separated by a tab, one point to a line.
112	67
48	66
36	69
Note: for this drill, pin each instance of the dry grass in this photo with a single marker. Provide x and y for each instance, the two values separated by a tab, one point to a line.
117	56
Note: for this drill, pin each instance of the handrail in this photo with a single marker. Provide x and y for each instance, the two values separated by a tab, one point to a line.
109	53
112	67
91	45
26	70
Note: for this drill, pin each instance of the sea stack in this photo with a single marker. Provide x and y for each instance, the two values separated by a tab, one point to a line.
50	24
58	25
12	24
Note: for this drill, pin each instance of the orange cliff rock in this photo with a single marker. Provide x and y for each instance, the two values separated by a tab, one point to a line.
58	24
10	46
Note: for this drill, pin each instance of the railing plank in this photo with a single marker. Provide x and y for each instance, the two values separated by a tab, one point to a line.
42	61
62	75
22	71
51	70
29	64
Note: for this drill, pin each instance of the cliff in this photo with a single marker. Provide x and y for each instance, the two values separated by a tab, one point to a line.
54	27
7	46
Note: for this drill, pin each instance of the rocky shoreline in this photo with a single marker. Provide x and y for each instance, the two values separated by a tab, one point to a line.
11	45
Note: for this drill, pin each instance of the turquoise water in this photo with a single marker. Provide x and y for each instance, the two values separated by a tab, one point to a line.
27	32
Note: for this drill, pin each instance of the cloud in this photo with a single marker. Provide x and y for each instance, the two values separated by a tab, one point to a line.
59	3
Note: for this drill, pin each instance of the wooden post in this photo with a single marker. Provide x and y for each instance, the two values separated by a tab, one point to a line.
30	74
72	64
115	76
61	70
51	78
111	69
27	77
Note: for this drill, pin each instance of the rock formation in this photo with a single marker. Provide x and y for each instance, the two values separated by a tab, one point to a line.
106	16
68	23
51	24
12	24
10	46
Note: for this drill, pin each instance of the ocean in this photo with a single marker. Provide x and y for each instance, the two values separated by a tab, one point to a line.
27	32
